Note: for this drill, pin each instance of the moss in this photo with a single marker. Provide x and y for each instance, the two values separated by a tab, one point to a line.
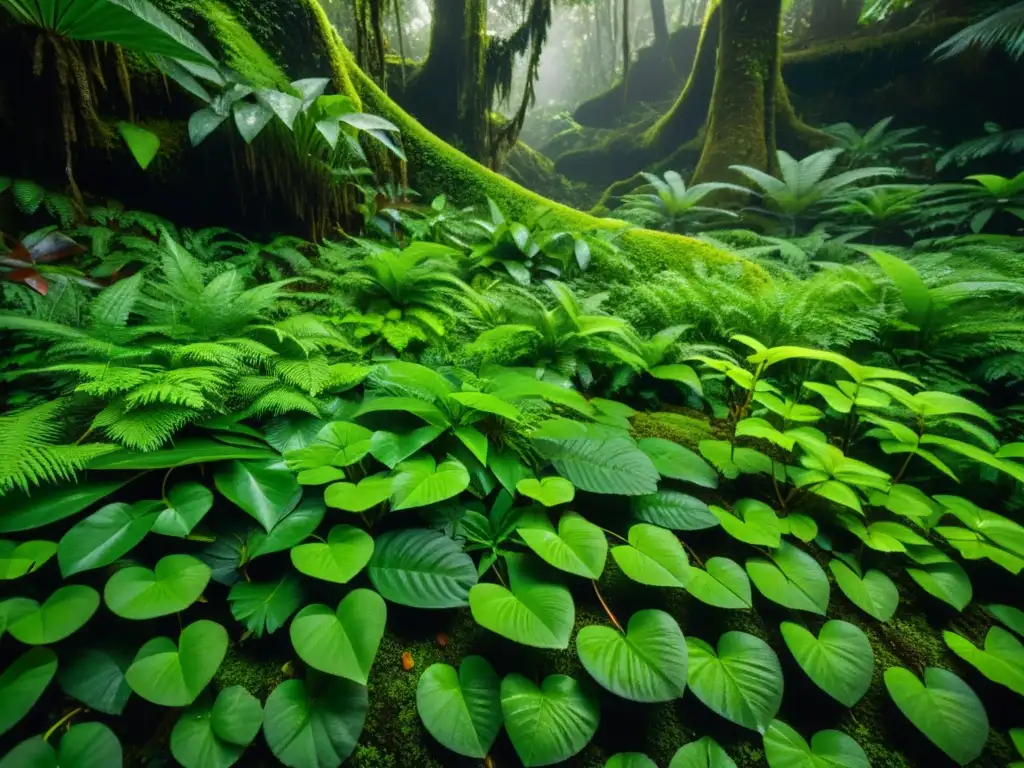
685	430
257	674
241	50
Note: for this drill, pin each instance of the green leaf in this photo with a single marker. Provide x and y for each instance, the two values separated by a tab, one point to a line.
345	553
195	745
548	724
946	581
630	760
723	584
33	752
422	569
104	536
703	753
427	411
673	510
474	440
839	660
550	491
679	463
507	467
733	460
85	745
534	611
371	491
1010	616
874	593
578	547
943	708
316	722
613	466
751	522
391	449
174	675
95	676
265	490
802	527
346	442
913	290
684	374
481	401
646	664
742	682
461	710
792	578
265	606
1001	660
48	505
143	144
19	559
23	682
237	715
189	503
763	430
418	483
344	642
320	475
289	531
65	612
785	748
171	587
186	451
654	557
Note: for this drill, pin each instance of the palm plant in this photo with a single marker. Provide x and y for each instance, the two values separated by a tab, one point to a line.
953	206
886	209
670	205
875	145
803	186
1003	28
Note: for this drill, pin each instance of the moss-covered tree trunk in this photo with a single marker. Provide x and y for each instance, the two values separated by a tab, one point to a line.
448	94
741	122
659	20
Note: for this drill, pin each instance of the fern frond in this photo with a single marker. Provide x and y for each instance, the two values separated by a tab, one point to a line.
143	429
311	375
1002	29
278	401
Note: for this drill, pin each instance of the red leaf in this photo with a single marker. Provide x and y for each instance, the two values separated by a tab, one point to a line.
54	247
31	278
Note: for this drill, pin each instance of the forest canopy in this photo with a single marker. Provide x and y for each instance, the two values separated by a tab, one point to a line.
604	383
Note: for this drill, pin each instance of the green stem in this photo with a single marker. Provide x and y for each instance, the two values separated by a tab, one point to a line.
59	723
613	533
693	554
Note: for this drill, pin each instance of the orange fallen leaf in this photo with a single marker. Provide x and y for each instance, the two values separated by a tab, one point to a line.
407	661
442	639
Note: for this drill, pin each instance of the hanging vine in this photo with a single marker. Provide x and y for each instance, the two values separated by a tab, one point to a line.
370	39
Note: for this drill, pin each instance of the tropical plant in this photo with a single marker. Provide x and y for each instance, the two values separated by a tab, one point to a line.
670	205
995	141
1001	28
878	144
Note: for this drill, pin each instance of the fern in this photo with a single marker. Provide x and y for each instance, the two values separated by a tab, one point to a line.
143	429
28	454
1003	28
995	141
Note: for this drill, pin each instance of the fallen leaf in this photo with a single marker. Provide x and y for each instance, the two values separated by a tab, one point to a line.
442	639
407	662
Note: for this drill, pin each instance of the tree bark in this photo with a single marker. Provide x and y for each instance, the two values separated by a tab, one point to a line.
659	20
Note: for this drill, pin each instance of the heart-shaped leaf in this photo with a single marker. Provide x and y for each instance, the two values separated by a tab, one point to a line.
551	491
535	611
839	660
344	642
370	492
418	483
943	708
20	559
65	612
792	578
107	534
265	606
579	547
673	510
174	675
95	676
742	682
85	745
462	710
1001	660
139	593
874	592
316	722
266	490
548	724
946	581
422	569
391	449
289	531
654	557
345	553
785	748
1009	616
646	664
189	503
630	760
236	716
342	443
23	512
679	463
751	522
703	753
723	583
22	683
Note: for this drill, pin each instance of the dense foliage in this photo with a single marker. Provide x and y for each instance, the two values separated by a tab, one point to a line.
235	476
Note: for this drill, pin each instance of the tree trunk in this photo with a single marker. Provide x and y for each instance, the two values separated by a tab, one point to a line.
659	20
833	18
741	123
